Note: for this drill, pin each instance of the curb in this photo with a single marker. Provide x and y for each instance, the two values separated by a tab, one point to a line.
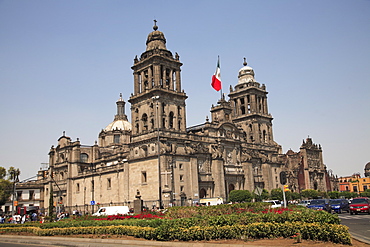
92	242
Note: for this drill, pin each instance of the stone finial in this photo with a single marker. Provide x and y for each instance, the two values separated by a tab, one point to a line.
155	27
245	62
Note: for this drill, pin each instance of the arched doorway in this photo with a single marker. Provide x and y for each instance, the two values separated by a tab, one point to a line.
202	193
231	187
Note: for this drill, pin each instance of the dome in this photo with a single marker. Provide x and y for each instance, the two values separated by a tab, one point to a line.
246	70
156	39
367	166
118	125
246	73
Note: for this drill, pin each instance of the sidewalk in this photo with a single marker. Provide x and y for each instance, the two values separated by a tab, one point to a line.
96	242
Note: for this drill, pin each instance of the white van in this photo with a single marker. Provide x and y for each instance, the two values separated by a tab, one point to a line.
274	203
211	201
112	210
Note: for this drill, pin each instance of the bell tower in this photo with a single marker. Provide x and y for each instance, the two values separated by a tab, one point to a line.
158	102
249	103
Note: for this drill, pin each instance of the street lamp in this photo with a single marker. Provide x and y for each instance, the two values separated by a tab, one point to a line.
159	154
15	175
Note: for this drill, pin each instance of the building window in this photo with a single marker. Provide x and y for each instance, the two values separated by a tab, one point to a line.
78	188
109	184
170	120
182	178
143	177
92	185
347	188
116	139
32	195
144	118
181	188
365	187
181	166
354	188
84	158
19	195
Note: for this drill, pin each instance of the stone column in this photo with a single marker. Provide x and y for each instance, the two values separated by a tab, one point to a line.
136	83
157	75
219	178
150	77
178	81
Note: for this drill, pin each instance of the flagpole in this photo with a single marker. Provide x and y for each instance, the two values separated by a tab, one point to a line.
219	66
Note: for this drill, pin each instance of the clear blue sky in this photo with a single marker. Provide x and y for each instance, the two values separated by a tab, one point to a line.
64	63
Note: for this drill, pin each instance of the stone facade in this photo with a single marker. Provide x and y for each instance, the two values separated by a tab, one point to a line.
170	163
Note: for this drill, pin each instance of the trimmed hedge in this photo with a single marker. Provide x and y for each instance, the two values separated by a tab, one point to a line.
314	231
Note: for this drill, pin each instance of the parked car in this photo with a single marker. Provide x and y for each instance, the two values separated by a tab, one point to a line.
114	210
274	203
360	205
339	205
320	204
304	203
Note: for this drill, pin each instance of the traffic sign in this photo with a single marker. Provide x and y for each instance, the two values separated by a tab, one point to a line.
92	203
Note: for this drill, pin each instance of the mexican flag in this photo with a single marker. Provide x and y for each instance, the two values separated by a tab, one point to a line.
216	78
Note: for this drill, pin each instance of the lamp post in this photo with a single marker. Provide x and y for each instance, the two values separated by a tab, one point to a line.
159	153
14	174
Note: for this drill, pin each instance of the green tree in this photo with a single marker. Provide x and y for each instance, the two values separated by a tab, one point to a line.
5	190
276	194
310	194
295	195
2	172
348	195
366	193
13	174
333	194
240	196
323	194
6	185
265	194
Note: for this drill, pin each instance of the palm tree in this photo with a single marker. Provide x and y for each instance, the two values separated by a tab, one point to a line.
14	174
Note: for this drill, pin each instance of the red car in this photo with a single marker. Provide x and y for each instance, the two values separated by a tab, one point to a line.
360	205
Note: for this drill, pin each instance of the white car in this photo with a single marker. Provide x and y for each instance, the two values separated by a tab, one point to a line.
274	203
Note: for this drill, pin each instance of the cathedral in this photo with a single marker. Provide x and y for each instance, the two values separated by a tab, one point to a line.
159	158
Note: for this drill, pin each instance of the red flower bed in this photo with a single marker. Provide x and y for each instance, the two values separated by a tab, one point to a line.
276	210
137	216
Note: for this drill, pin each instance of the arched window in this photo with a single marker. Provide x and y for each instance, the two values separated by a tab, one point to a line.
144	118
116	138
170	120
264	136
242	109
84	158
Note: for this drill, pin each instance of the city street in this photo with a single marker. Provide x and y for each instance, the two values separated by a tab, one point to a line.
359	226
